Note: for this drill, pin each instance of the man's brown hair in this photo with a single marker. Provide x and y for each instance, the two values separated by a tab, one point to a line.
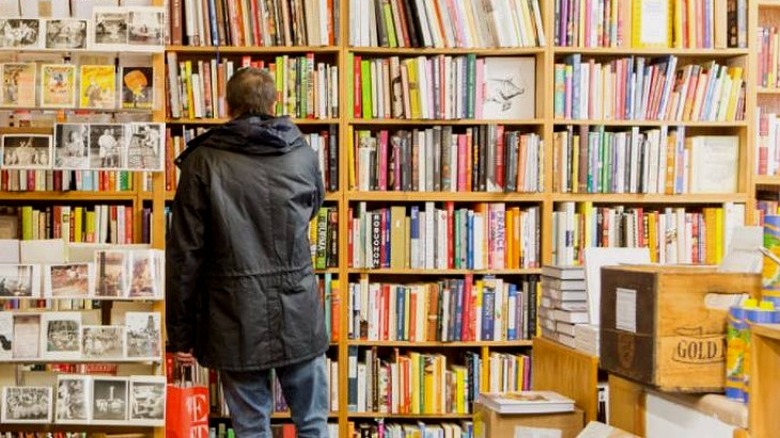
251	91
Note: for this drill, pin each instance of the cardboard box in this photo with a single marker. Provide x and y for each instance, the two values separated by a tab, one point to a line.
665	326
489	424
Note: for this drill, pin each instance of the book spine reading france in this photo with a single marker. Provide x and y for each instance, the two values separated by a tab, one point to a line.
673	234
454	310
639	88
591	159
446	24
306	88
767	153
692	24
422	383
488	236
250	23
448	159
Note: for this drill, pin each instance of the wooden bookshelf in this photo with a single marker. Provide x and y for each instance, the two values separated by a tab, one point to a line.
212	121
392	196
627	51
386	51
652	123
254	50
457	122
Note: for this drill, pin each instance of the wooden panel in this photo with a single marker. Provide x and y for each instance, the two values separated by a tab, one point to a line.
553	361
626	405
764	374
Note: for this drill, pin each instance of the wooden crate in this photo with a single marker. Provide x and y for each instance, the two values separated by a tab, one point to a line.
763	398
666	325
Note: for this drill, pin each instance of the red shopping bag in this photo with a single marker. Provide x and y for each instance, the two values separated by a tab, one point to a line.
187	411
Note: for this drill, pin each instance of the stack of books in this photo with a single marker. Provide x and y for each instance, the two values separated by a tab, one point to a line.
586	339
563	303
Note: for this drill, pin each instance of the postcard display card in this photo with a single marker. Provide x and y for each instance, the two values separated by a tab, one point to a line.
147	400
26	404
104	342
61	335
109	400
74	399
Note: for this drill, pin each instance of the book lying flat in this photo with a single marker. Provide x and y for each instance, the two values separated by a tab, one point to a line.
526	402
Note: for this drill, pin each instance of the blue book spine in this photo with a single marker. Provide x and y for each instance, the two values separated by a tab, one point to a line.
575	86
488	303
400	310
458	297
213	22
511	318
706	105
352	380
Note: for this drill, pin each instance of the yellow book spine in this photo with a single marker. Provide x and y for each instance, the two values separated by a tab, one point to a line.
414	87
188	87
509	238
78	217
415	380
429	384
718	235
460	393
652	237
478	309
575	164
90	226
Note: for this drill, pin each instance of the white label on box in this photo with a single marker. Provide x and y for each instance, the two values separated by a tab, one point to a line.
537	432
625	310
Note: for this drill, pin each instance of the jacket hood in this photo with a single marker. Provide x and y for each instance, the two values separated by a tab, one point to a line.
250	135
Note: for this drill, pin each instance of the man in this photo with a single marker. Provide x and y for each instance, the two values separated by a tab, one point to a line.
107	148
241	294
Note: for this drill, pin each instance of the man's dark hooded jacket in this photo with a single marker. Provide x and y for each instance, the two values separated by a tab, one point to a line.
240	287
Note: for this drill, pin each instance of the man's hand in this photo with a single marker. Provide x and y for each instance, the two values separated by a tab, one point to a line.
184	359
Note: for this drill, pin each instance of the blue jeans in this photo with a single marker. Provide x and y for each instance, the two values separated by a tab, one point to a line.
305	387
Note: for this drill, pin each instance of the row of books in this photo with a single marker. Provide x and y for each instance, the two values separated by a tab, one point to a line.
219	407
464	429
413	383
681	24
446	24
767	152
101	223
443	87
278	430
254	23
323	238
480	159
38	180
767	203
673	234
638	88
658	160
768	57
451	310
306	89
489	236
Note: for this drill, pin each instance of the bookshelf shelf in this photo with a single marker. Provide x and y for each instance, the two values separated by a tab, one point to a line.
170	194
682	53
249	50
445	196
437	344
458	122
411	51
78	361
767	180
409	416
68	196
651	198
652	123
26	130
327	271
769	3
388	271
211	121
763	91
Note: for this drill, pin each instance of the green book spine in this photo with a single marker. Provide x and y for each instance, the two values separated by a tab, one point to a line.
365	78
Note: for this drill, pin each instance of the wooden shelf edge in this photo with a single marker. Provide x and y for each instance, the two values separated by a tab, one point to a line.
445	196
452	122
651	123
766	330
408	416
767	180
417	51
219	121
72	195
271	50
651	198
683	53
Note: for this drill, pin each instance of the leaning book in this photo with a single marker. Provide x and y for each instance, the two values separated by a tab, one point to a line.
526	402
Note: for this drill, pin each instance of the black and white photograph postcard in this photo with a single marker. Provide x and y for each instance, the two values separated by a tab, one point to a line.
109	28
137	87
20	33
510	87
61	338
66	33
6	335
106	146
20	281
103	342
144	336
69	280
144	281
27	336
71	146
109	400
146	28
27	404
74	399
19	84
110	273
147	400
26	151
146	146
